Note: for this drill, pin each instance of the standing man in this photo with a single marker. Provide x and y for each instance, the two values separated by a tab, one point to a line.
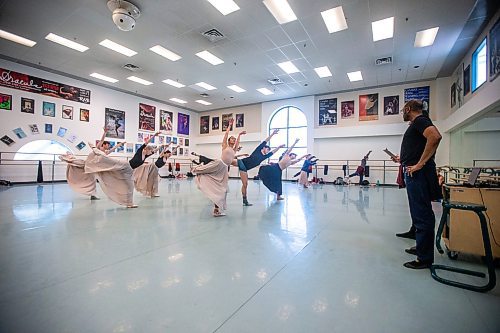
418	148
261	153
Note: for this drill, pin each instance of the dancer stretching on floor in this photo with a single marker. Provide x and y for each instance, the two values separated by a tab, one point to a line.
271	174
212	178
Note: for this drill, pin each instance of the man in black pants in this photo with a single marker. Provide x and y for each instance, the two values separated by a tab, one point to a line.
418	148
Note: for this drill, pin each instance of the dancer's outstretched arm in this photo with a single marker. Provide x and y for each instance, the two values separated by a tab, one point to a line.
118	145
271	135
226	135
297	160
99	145
277	148
237	143
151	138
292	146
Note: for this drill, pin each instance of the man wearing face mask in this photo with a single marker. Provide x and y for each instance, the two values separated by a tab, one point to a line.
418	148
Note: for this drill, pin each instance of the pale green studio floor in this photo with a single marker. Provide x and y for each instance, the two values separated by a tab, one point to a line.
324	260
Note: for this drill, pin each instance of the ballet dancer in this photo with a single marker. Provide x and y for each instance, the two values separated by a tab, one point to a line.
360	170
306	169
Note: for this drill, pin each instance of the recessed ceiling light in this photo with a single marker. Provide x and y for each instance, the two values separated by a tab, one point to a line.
355	76
158	49
139	80
209	57
383	29
224	6
174	83
265	91
323	71
236	88
334	19
288	67
205	86
203	102
16	39
103	77
425	37
281	10
66	42
177	100
117	48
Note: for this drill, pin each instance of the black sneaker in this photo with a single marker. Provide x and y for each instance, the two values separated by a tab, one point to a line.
246	203
409	234
415	264
412	250
93	197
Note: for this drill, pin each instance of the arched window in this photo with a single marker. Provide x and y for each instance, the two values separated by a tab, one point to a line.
292	124
43	150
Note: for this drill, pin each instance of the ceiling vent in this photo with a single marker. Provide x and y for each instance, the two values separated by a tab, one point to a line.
275	81
383	61
204	95
132	68
213	35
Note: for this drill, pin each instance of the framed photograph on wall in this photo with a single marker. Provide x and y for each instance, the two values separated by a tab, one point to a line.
327	112
186	142
81	145
453	95
147	117
48	128
67	112
19	133
166	121
27	105
84	115
115	123
459	79
422	94
5	102
34	129
494	46
347	109
62	132
391	105
49	109
215	123
7	140
225	121
368	107
240	120
467	80
204	124
182	124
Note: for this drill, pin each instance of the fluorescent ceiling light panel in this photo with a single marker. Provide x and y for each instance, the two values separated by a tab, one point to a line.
205	86
288	67
160	50
224	6
355	76
334	19
66	42
16	39
103	77
203	102
281	10
139	80
209	57
236	88
173	83
383	29
117	48
323	71
177	100
425	37
265	91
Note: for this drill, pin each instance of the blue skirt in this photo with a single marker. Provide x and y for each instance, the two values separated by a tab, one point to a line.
271	177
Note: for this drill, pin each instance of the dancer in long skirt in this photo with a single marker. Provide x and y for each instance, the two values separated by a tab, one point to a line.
271	174
212	178
306	169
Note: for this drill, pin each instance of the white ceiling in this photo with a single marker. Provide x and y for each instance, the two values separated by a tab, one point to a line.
253	46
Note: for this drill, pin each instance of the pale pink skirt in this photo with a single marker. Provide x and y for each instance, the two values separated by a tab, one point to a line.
146	179
303	178
78	180
212	180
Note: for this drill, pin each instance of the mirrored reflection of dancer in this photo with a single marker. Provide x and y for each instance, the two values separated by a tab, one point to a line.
271	174
306	170
260	154
360	170
212	178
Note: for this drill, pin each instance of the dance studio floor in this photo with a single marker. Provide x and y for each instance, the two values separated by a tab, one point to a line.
324	260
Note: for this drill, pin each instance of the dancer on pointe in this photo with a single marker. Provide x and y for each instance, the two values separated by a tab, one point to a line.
271	174
212	178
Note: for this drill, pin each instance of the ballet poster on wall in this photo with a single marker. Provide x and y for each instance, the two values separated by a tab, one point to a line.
34	129
391	105
115	123
166	121
84	115
494	50
27	105
37	85
467	80
182	124
7	140
48	128
81	145
204	124
49	109
328	112
347	109
368	107
19	133
67	112
215	123
225	121
420	93
5	102
240	120
147	117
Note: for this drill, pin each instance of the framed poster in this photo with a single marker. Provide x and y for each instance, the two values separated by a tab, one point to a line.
7	140
467	80
391	105
240	120
494	46
453	95
81	145
368	107
19	133
327	112
49	109
215	123
147	117
115	123
225	121
186	142
34	129
27	105
182	124
420	93
347	109
61	132
84	115
204	124
67	112
166	121
71	138
5	102
48	128
459	78
130	148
